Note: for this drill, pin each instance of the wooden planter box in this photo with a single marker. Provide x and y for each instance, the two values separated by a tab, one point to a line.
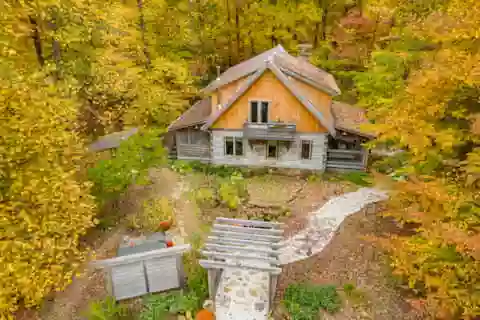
147	267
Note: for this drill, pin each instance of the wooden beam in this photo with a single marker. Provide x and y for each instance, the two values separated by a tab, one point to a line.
212	279
165	252
208	264
251	223
272	288
223	255
236	242
259	231
213	246
246	236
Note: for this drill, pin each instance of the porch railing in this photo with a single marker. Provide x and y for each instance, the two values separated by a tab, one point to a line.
346	159
270	131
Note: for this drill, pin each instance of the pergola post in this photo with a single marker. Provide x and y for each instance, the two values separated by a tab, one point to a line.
242	244
273	287
212	281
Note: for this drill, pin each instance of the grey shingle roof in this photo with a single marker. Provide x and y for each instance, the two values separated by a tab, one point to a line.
242	69
111	141
295	66
350	118
197	114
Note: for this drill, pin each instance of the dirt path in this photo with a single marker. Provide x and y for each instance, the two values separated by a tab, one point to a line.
73	301
187	220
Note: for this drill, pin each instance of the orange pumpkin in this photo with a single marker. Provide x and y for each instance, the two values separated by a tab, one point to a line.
165	225
204	314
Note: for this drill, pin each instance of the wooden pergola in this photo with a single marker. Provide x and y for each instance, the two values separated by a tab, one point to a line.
243	244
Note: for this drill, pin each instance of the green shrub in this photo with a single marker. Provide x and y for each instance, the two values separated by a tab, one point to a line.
353	293
232	191
158	306
304	301
197	280
181	166
223	171
348	288
129	164
107	309
205	196
359	178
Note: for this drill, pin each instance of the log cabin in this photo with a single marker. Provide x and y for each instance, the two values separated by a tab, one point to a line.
273	110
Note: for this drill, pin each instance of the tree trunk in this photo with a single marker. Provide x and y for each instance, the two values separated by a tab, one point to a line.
374	36
360	5
321	27
141	23
37	42
237	30
273	38
229	37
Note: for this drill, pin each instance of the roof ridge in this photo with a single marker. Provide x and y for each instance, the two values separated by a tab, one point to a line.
252	65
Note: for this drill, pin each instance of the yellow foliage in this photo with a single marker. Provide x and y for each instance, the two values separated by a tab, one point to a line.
44	206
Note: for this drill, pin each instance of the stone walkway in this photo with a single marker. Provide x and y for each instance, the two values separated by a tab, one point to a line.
324	222
243	294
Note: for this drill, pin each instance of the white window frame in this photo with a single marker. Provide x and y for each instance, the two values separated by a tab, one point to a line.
310	149
259	110
234	140
189	133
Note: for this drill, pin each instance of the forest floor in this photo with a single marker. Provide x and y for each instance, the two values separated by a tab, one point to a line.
346	259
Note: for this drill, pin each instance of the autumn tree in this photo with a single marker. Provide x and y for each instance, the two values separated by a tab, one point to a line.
45	206
432	116
69	71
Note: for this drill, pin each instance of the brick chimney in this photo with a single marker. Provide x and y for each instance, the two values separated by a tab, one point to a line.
305	50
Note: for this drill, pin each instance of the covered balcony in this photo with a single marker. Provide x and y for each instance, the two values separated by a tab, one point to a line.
273	131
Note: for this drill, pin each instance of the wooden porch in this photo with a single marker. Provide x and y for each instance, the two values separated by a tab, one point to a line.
345	152
344	159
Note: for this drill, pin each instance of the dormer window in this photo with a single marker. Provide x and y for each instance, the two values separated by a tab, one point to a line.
259	111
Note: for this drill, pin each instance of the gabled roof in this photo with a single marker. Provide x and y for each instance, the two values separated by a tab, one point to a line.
293	66
196	114
270	65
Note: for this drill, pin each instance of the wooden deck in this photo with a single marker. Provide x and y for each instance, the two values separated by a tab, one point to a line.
343	159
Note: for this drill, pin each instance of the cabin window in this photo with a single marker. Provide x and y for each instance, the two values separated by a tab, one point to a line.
182	137
254	111
191	136
306	149
264	112
233	146
259	111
